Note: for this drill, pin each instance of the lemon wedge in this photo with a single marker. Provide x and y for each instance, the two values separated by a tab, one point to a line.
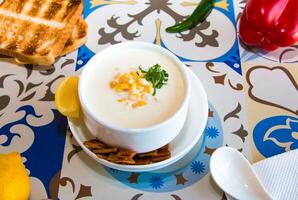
67	98
14	179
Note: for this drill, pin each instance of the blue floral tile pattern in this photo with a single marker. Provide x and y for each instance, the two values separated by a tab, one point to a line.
197	167
156	182
211	132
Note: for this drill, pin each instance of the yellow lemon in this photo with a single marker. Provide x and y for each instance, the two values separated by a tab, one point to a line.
67	98
14	179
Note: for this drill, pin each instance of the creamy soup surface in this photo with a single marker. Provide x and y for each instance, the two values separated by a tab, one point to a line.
103	100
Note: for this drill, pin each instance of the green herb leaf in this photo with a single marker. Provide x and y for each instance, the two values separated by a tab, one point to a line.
157	76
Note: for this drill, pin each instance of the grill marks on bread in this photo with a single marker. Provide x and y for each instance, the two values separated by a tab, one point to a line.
35	8
47	9
79	32
20	35
53	9
77	38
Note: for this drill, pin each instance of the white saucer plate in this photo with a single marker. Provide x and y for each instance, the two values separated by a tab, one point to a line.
180	146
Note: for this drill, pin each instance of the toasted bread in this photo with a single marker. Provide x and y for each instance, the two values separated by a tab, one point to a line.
78	37
35	31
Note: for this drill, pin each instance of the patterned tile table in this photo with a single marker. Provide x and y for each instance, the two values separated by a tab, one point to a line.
253	103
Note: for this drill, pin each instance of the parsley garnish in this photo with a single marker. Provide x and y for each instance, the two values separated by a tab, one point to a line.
157	76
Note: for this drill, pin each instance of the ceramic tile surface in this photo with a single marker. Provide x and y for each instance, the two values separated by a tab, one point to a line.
252	97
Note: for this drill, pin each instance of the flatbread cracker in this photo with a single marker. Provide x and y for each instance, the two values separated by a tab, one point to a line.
127	157
143	161
126	153
105	150
162	152
94	144
148	154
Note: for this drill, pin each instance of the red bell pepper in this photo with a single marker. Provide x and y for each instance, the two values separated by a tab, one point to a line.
269	23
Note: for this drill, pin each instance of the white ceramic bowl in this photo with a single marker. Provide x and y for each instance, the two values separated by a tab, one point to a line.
137	139
185	141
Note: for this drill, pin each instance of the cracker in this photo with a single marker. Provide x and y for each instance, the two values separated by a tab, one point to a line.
102	156
143	161
94	144
122	159
162	152
126	161
167	147
148	154
112	157
126	153
127	157
105	150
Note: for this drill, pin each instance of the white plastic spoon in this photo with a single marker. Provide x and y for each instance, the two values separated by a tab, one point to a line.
234	175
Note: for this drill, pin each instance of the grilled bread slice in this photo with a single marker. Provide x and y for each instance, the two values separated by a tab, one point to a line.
78	37
35	31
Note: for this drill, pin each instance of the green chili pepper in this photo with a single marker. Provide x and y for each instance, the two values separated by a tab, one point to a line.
200	13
